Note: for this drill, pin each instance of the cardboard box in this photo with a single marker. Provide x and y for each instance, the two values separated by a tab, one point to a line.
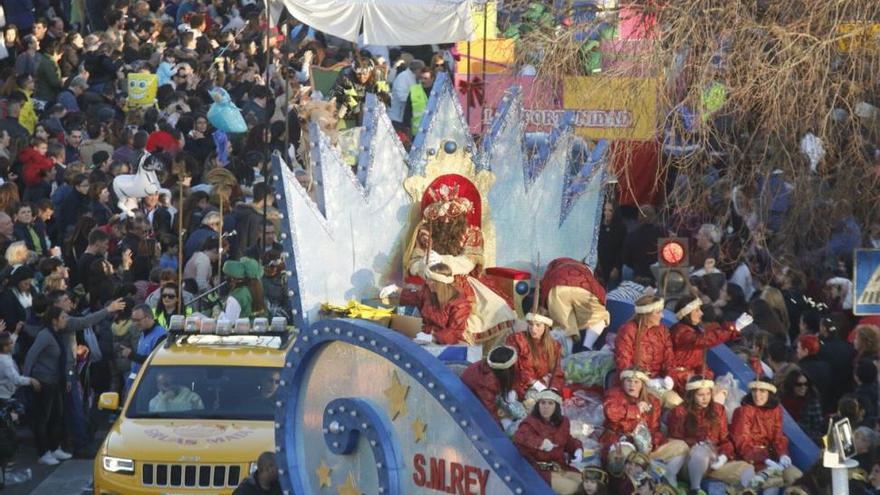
484	17
407	325
499	56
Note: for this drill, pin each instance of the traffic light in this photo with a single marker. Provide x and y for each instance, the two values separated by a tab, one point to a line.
673	272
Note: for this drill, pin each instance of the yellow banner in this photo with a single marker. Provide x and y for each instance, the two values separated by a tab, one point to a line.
858	35
499	56
484	17
612	107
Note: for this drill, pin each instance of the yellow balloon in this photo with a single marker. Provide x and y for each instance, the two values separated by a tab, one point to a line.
142	89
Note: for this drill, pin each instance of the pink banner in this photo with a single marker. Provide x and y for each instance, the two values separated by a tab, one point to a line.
542	100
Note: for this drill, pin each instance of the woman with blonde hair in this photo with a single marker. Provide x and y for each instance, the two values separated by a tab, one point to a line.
776	301
9	198
539	364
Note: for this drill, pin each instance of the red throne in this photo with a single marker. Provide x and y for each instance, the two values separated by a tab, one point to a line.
506	278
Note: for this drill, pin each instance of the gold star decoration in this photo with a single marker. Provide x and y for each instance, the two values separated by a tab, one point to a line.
323	473
419	428
349	488
396	395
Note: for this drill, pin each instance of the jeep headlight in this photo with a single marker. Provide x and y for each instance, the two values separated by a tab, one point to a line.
118	465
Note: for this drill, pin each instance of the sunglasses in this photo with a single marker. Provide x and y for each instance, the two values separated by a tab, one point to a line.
169	296
802	384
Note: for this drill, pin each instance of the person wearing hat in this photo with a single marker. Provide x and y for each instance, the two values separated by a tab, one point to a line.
595	481
352	86
17	299
644	342
445	309
544	439
539	365
702	424
491	380
633	415
246	299
576	300
637	475
691	338
756	429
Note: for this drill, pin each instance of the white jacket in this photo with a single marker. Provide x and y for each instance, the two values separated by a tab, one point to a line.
10	378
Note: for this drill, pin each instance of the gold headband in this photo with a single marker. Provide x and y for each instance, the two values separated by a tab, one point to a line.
506	364
549	394
650	308
536	318
595	474
697	385
759	385
691	306
638	374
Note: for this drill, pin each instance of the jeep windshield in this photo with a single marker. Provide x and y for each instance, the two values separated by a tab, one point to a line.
206	392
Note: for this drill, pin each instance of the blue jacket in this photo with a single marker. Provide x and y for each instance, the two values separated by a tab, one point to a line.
146	343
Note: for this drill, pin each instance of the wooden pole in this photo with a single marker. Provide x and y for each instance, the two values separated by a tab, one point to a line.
220	235
180	213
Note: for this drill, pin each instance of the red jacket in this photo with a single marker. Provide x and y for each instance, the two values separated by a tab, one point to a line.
757	433
531	434
622	416
689	346
33	166
653	346
532	367
448	323
714	432
484	384
570	273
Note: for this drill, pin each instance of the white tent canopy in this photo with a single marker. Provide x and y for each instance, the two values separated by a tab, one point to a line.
385	22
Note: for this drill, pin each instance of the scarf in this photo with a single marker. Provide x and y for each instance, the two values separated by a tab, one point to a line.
26	300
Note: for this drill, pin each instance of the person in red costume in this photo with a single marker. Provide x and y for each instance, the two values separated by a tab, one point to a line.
575	299
691	339
544	439
632	415
491	380
702	424
644	342
539	363
757	435
444	309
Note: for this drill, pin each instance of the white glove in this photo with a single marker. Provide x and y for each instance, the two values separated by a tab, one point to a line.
772	466
743	321
511	396
424	337
578	456
547	445
721	460
506	423
668	383
388	291
656	383
434	258
539	386
785	461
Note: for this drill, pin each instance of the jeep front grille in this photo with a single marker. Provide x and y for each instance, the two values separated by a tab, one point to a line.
191	475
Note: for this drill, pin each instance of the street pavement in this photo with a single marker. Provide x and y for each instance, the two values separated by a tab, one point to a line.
71	477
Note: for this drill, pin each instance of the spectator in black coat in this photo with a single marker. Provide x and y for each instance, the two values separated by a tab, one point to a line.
866	389
816	369
264	481
249	219
640	246
99	243
75	204
17	299
612	234
838	353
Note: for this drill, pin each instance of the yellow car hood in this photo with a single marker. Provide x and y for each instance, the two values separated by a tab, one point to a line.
186	440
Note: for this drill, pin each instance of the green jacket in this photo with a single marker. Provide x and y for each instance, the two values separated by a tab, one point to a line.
419	100
47	80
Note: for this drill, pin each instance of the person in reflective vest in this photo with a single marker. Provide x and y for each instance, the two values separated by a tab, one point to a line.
418	100
167	306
